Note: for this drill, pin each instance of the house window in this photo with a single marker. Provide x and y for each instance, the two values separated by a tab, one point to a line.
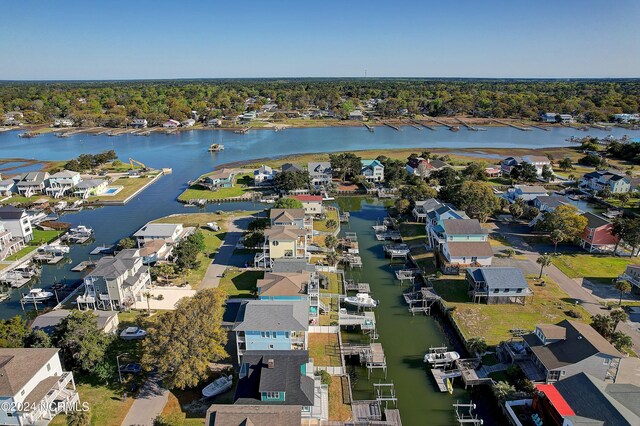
263	334
497	290
275	243
288	253
286	334
474	259
22	392
506	290
519	290
273	334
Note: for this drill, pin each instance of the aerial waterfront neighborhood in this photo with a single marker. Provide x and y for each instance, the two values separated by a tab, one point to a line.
322	215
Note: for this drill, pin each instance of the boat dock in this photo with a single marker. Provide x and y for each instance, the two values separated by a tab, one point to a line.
369	128
468	126
82	266
396	251
371	356
344	217
506	123
14	279
465	368
465	415
421	301
421	123
365	320
391	125
442	123
358	287
407	275
414	125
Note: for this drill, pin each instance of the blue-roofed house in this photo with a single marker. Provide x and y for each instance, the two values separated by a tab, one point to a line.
265	325
498	285
373	170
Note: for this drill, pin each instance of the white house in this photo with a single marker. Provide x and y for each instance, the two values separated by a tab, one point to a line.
107	321
372	170
263	175
312	204
171	233
90	187
189	122
599	180
139	123
17	222
63	122
33	379
321	173
356	115
32	183
526	192
538	161
214	122
7	186
8	243
62	182
171	124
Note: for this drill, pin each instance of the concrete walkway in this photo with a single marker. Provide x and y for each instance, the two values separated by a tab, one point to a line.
224	257
149	403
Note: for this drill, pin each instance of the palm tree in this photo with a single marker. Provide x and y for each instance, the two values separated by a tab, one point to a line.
543	261
503	390
476	345
621	341
331	224
602	324
147	294
78	418
623	286
332	258
618	316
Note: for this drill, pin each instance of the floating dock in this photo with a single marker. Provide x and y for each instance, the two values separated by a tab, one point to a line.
82	266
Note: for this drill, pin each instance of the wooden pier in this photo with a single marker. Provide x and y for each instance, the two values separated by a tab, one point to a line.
350	285
465	415
365	320
421	301
391	125
420	123
369	128
468	126
407	275
412	124
371	356
442	123
506	123
82	266
397	251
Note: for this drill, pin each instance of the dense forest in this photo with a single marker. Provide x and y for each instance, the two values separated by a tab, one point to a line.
113	103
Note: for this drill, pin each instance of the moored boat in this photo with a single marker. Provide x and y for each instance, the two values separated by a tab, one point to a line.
37	295
441	357
218	386
361	300
132	333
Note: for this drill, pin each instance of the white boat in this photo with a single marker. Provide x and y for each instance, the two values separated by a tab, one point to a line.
361	300
81	230
37	295
218	386
216	147
213	226
54	249
441	357
132	333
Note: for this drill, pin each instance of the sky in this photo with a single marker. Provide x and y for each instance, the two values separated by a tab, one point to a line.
141	39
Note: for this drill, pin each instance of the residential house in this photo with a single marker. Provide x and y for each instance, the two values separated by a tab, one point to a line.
586	400
632	274
492	171
290	167
7	186
90	188
289	217
138	123
283	286
12	118
33	386
356	115
170	233
266	325
552	117
599	180
498	285
419	166
626	118
246	415
107	321
372	170
62	182
8	243
220	179
248	117
269	107
282	378
214	122
155	251
282	241
434	218
538	161
598	234
525	192
568	348
32	183
17	222
189	122
460	243
312	204
264	175
422	207
321	173
291	264
63	122
171	124
548	203
116	282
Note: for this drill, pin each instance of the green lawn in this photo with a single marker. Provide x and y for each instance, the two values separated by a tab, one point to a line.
321	225
241	186
424	259
23	252
595	268
338	410
43	237
239	283
413	233
493	322
335	283
323	348
130	186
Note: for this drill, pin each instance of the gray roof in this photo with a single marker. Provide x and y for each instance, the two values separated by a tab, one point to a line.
613	404
271	315
253	415
64	174
10	212
531	189
290	167
48	321
582	341
462	227
291	265
428	205
18	365
553	201
319	167
32	178
90	183
111	267
162	230
286	215
285	376
594	221
499	278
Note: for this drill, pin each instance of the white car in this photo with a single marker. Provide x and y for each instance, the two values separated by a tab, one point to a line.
132	333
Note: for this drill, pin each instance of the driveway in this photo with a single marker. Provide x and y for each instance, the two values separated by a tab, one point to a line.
224	258
149	403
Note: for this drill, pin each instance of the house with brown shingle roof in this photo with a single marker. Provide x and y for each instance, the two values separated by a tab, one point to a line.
283	285
33	378
246	415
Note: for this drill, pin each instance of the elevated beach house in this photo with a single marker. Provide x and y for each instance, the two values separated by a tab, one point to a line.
460	243
17	222
598	235
264	175
219	179
245	415
312	204
62	182
116	282
33	386
372	170
423	167
498	285
320	172
170	233
32	183
90	188
8	243
597	181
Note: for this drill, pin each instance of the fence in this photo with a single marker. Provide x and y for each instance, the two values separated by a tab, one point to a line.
324	329
334	371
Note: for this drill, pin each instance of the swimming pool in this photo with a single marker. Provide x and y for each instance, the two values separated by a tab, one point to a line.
112	190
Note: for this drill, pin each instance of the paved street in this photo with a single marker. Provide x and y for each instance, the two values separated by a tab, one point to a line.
224	257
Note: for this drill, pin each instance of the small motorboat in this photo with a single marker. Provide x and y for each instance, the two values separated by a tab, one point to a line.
132	333
361	300
37	295
54	249
216	147
218	386
441	357
81	230
213	226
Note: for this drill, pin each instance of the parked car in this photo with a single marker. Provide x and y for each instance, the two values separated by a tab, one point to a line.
131	368
132	333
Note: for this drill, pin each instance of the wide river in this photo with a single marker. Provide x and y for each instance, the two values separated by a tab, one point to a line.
404	338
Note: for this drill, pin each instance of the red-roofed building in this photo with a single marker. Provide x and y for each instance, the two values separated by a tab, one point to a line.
312	204
598	234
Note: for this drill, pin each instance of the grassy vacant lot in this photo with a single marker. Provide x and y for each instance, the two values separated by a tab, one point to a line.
413	232
335	283
595	268
550	305
174	414
338	410
239	283
240	187
424	258
321	225
130	186
323	348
